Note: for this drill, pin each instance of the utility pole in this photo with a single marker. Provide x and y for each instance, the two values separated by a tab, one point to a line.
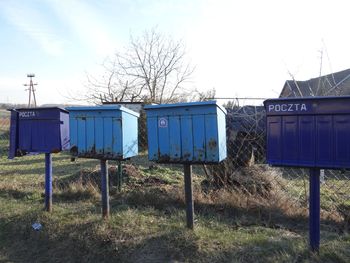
31	89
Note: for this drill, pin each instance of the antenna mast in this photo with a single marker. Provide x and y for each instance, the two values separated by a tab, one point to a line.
31	89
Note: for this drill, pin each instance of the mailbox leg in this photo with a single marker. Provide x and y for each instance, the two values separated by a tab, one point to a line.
48	182
105	189
189	195
314	209
120	176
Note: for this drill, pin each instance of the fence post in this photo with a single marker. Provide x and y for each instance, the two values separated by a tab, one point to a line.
314	209
189	195
105	189
48	182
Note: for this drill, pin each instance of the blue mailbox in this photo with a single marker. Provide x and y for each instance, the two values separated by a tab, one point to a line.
38	130
308	132
103	132
186	132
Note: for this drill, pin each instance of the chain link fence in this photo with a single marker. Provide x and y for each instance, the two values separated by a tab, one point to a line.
245	168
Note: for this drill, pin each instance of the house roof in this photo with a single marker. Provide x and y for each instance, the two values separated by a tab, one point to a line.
334	84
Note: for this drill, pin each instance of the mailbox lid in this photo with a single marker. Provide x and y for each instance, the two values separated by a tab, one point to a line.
105	110
308	106
186	132
188	108
40	113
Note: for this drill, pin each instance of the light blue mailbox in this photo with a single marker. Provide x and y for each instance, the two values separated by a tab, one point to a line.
106	132
192	132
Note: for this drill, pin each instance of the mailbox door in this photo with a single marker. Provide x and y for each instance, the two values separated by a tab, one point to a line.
324	141
188	138
96	136
341	140
39	135
290	139
307	140
274	139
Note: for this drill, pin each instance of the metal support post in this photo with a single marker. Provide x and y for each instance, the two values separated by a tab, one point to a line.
48	182
189	195
314	209
120	176
105	189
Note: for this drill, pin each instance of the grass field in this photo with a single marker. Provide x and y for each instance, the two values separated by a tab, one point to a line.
147	222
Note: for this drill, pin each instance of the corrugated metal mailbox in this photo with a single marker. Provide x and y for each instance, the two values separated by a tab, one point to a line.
38	130
103	132
186	132
308	132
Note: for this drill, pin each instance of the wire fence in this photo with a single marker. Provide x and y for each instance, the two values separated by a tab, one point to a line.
245	168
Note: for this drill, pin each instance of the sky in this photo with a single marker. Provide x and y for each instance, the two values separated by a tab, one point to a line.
242	48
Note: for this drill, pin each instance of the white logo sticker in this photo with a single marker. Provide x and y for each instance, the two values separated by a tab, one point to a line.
163	123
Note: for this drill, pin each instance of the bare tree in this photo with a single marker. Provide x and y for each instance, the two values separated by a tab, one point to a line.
151	69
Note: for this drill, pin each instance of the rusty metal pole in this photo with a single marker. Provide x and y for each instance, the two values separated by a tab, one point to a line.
105	189
189	196
120	176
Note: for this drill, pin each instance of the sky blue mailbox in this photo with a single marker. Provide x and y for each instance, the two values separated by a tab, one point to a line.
186	132
103	132
39	130
308	132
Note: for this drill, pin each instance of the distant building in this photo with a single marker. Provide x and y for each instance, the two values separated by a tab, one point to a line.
335	84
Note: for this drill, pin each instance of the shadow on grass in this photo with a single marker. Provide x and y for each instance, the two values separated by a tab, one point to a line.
18	195
58	169
85	241
271	217
34	159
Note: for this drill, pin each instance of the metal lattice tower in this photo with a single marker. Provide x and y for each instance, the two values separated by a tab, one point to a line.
31	90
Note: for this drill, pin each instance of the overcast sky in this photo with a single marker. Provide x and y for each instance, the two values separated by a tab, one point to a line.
242	48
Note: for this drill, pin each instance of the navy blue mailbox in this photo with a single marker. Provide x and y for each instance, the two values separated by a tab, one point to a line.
309	132
38	130
103	132
186	132
107	132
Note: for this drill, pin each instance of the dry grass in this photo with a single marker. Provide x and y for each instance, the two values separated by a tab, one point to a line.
247	223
